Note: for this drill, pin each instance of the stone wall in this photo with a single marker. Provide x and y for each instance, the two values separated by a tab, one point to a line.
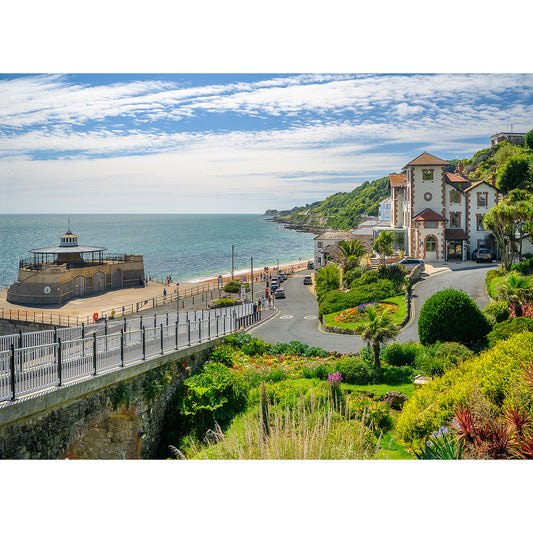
11	327
119	421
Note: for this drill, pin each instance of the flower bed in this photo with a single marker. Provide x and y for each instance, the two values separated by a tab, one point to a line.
359	314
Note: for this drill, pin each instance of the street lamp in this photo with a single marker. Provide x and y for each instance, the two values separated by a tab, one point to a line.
178	299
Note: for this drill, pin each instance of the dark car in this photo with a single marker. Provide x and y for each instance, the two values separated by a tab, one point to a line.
308	280
274	285
310	265
409	263
483	254
280	293
283	276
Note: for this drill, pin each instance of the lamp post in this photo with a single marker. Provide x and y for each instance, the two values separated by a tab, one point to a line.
178	298
252	275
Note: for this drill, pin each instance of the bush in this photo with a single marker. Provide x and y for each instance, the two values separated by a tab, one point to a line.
237	339
450	315
336	301
232	286
491	280
223	302
395	273
223	354
255	347
493	374
398	354
376	414
499	311
439	358
509	327
394	375
355	371
525	267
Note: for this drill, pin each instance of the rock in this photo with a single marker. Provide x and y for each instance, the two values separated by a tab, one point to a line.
396	399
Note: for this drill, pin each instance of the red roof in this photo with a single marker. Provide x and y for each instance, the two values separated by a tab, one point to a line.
429	214
455	235
427	159
398	180
455	178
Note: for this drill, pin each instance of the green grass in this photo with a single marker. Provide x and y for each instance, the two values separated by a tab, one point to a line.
381	389
398	316
392	450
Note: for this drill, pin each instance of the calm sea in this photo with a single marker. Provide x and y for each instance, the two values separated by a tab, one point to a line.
186	247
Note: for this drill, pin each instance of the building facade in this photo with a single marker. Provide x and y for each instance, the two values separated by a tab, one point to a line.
510	137
324	245
58	273
437	214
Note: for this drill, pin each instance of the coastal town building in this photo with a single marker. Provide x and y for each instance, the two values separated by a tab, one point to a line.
438	215
325	246
384	209
55	274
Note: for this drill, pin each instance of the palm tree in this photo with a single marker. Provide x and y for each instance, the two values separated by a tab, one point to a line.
351	252
378	329
516	289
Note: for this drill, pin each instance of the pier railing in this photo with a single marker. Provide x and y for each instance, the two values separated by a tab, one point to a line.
53	364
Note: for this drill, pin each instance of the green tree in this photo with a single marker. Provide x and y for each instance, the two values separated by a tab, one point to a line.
529	139
351	252
379	329
515	288
383	245
514	173
327	279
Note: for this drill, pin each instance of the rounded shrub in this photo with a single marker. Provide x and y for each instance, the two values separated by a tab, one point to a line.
355	371
499	311
398	354
223	354
451	316
508	328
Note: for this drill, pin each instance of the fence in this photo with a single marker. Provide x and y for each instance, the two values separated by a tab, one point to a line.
37	338
34	368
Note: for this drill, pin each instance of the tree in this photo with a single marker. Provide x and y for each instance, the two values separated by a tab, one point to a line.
351	252
383	245
514	173
379	328
327	279
529	139
517	289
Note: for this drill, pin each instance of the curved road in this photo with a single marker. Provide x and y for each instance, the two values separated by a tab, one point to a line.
297	317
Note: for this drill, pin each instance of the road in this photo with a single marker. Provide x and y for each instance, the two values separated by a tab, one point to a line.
297	318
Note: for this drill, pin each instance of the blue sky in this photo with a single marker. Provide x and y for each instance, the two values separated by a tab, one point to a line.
234	142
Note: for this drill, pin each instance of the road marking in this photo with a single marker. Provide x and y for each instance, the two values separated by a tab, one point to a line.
310	317
285	317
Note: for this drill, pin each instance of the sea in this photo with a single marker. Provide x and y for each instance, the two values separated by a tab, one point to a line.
186	247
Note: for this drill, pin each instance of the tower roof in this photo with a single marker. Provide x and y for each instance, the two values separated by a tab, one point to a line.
427	159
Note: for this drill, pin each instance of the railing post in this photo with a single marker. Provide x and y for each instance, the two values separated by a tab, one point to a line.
216	318
55	334
121	347
12	369
59	375
105	327
20	339
208	329
161	338
155	323
83	330
188	332
167	319
94	353
141	324
177	334
144	343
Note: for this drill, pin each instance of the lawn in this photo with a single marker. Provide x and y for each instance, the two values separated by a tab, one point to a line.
381	389
398	316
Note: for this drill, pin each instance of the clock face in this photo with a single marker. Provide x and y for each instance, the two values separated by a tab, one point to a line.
428	196
47	289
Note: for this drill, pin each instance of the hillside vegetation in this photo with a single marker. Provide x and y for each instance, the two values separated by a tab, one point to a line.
512	166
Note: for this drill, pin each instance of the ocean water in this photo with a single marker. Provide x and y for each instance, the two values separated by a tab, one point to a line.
186	247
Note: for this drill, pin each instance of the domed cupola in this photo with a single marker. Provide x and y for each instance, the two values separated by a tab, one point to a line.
69	239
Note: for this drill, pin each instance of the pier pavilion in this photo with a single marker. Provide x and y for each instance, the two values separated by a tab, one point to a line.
55	274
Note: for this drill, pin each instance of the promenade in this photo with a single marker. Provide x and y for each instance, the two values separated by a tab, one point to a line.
136	300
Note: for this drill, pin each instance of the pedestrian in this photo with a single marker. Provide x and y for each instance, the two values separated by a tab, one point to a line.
263	302
255	310
164	292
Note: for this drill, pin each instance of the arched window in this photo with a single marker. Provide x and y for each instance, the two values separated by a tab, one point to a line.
431	244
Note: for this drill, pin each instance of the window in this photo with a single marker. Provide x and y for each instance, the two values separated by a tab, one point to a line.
431	244
427	174
480	226
431	224
482	200
320	244
455	197
455	220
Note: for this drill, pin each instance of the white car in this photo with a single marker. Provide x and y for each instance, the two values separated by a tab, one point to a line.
409	263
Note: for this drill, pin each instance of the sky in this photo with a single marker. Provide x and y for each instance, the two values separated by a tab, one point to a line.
121	143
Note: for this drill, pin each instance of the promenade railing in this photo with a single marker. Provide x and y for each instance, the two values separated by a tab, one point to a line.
105	327
31	369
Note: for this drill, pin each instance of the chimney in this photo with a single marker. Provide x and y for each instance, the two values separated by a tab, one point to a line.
492	180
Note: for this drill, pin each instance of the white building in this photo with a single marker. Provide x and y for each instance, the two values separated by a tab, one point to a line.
438	213
384	209
324	243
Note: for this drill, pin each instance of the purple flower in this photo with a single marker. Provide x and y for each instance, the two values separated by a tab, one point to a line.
334	379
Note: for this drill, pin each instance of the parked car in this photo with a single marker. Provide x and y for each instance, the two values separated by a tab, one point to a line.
283	276
483	254
274	285
409	263
280	293
310	265
308	280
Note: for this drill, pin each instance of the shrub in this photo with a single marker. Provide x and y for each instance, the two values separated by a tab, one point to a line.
440	358
394	375
493	374
223	354
450	315
232	286
509	327
237	339
224	302
355	371
491	280
398	354
315	351
255	347
525	267
376	414
395	273
327	279
499	311
213	395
